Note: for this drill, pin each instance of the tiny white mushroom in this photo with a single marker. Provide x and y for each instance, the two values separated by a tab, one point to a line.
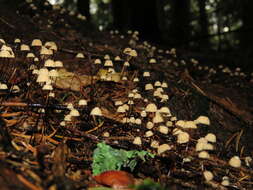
202	120
208	175
163	148
137	141
210	137
183	138
235	162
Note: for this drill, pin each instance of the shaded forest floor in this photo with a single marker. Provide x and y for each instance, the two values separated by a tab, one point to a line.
41	147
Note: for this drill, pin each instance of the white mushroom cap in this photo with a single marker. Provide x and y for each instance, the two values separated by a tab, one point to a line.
152	60
117	58
74	112
108	63
190	125
149	134
97	61
163	148
154	144
133	53
24	47
137	141
137	96
177	131
3	86
51	45
138	121
180	123
96	111
82	102
235	162
17	40
164	85
203	146
30	55
121	109
163	129
208	175
118	103
49	63
204	155
165	110
164	97
70	106
126	64
150	125
136	79
149	86
126	107
202	120
45	51
58	64
6	54
127	50
157	94
151	108
183	138
47	87
225	181
169	124
51	94
146	74
106	57
36	42
43	78
80	55
106	134
210	137
157	83
143	113
53	73
67	117
158	118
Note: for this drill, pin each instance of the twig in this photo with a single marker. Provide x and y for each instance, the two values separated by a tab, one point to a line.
27	183
5	22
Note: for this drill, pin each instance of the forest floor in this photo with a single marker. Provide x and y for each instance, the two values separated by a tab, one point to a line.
185	124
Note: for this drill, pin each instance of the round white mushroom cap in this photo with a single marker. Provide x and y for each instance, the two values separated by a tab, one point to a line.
96	111
235	162
210	137
208	175
183	138
202	120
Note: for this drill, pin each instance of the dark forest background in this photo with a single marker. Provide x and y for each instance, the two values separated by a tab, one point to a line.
221	31
217	31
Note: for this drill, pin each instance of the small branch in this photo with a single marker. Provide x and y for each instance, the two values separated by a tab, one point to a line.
5	22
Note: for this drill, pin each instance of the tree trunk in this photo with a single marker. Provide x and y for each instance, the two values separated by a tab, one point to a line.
180	24
145	19
121	12
138	15
83	7
203	21
246	37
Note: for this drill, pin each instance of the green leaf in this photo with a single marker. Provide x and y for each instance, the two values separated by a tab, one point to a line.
106	158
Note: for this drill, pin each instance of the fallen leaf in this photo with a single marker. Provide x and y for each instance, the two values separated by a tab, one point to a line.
115	179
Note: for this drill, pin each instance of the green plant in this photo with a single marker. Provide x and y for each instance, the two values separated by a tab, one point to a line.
106	158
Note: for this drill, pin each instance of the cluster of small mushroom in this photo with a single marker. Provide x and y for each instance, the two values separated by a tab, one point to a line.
35	8
73	112
6	51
